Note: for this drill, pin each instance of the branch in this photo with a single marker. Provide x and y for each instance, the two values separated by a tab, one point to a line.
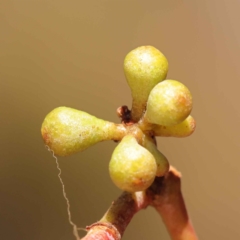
169	203
164	195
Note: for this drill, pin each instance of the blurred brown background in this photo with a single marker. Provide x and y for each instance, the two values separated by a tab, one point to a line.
70	53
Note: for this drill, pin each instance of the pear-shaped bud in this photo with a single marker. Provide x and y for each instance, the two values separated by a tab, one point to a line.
132	167
183	129
67	130
144	67
161	160
169	103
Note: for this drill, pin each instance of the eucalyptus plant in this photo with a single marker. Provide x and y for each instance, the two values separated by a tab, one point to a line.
160	107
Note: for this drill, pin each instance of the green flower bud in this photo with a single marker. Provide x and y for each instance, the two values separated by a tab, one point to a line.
183	129
161	160
67	130
132	167
169	103
144	67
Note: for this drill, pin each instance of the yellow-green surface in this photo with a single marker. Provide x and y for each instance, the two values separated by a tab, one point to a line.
161	160
183	129
67	130
144	67
132	167
169	103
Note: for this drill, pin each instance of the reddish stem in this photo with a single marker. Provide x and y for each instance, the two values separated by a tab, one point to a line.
169	203
164	195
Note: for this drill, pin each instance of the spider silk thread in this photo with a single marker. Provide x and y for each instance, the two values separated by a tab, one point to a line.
75	228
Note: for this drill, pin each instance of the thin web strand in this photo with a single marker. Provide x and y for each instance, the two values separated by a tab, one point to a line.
75	228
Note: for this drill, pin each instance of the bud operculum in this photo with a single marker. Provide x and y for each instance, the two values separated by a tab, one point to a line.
67	130
132	167
144	67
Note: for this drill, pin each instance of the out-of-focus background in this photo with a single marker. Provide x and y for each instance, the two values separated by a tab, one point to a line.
70	53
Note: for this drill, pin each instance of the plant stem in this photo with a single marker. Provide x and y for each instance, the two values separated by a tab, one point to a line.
169	203
116	219
164	195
